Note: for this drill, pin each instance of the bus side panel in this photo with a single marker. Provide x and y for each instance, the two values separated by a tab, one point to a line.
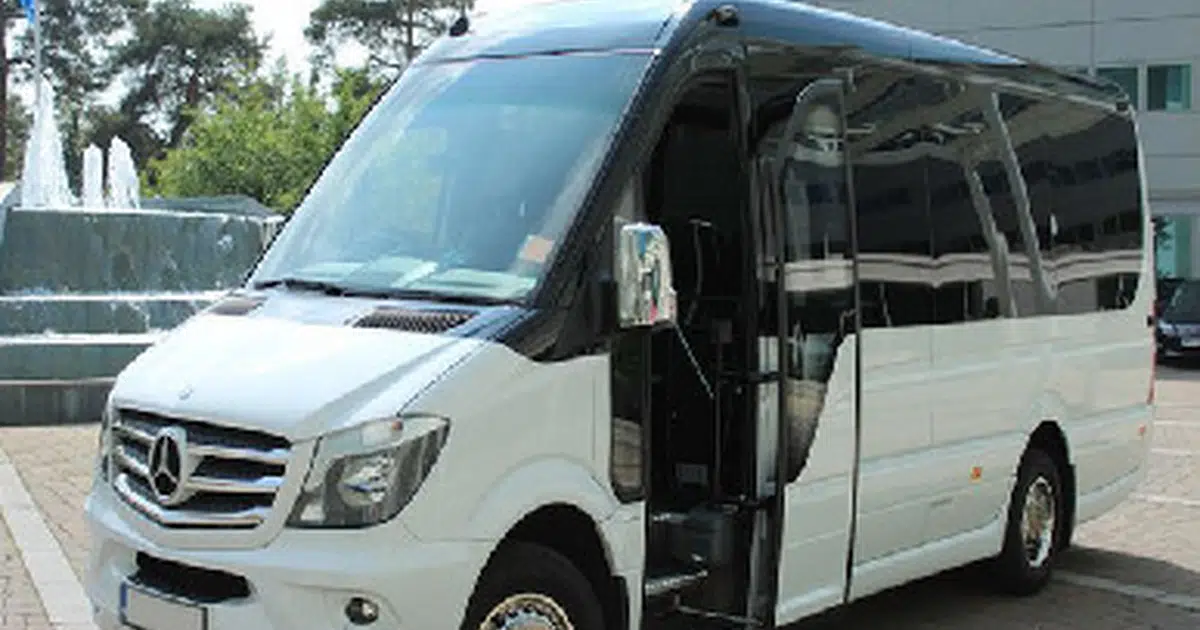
818	503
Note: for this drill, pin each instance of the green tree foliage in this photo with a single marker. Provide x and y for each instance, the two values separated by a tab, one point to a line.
269	141
174	58
392	31
179	58
75	34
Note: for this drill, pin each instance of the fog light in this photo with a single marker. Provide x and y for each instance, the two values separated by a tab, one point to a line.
362	612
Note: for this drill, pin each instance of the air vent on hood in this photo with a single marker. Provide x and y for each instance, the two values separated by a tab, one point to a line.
235	305
411	320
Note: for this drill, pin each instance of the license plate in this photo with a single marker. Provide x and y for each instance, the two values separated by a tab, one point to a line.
146	611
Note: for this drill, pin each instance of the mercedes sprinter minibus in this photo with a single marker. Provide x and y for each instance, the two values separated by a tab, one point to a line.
620	314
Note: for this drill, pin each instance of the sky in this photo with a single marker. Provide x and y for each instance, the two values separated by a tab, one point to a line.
284	21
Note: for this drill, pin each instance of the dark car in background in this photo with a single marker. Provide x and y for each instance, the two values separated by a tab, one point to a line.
1178	324
1165	289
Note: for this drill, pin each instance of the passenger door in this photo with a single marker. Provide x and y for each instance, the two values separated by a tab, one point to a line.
857	395
814	346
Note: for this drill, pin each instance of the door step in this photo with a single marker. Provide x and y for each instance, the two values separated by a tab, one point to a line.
708	615
673	581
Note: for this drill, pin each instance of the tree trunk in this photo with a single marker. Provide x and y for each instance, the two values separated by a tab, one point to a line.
410	36
184	120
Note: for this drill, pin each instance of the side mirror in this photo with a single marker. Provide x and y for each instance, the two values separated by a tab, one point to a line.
645	286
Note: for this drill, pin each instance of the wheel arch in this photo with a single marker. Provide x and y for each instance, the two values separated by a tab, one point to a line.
1051	439
570	531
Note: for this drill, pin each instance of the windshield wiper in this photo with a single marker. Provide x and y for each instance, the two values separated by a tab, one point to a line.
339	290
304	284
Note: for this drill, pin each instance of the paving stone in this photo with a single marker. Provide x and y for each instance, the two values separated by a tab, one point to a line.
56	466
20	606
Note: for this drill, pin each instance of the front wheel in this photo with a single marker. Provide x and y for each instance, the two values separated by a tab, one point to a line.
1035	523
530	586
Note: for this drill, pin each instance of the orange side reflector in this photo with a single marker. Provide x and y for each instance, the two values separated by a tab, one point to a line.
1142	431
977	473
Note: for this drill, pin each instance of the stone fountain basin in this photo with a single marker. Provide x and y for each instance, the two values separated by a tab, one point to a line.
83	292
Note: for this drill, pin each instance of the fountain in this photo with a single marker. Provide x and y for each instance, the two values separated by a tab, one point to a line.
87	284
93	177
44	178
122	176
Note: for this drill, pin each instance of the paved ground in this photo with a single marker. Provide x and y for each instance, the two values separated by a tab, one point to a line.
1137	568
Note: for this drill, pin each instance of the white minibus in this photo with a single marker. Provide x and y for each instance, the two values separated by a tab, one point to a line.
632	314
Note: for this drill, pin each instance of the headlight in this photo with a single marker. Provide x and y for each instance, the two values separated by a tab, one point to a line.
366	475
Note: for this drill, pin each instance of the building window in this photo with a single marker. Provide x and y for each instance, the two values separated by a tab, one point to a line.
1173	246
1127	78
1169	88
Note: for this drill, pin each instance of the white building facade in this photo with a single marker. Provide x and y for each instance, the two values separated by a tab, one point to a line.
1150	47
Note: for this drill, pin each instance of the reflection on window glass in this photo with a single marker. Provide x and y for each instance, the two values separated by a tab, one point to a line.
1127	78
891	147
806	153
1169	88
1096	198
971	273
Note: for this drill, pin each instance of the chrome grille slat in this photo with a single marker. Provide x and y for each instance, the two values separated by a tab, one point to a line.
229	476
135	433
134	463
262	485
185	518
277	457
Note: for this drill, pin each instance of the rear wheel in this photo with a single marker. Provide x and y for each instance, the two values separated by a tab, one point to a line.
531	587
1035	524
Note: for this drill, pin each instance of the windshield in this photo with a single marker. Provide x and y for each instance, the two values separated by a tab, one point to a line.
1185	303
461	181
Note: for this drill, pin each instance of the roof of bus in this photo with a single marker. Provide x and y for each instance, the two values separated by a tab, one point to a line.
570	25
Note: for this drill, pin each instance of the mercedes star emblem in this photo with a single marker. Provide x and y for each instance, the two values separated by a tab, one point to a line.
169	466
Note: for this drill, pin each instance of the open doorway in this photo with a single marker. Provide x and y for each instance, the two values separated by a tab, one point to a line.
701	409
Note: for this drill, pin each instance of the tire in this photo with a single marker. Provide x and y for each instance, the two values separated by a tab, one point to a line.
539	576
1022	570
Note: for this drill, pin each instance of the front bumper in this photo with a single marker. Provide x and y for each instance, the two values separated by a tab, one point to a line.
1173	346
301	580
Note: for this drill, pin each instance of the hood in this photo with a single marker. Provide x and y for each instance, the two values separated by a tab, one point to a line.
294	379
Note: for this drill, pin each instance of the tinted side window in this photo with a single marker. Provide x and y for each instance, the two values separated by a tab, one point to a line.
889	145
1020	203
799	146
991	203
1096	193
965	270
1037	289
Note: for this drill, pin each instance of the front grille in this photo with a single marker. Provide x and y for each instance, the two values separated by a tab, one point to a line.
214	477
